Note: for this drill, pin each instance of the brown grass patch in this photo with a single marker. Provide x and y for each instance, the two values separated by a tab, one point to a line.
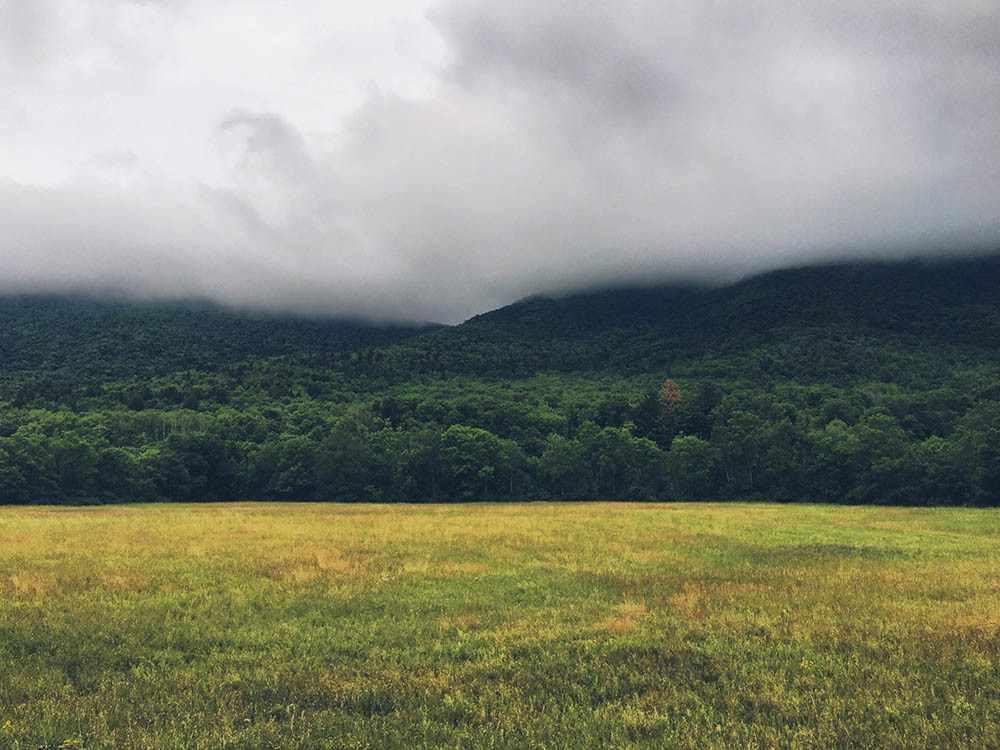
984	622
301	574
625	618
332	560
302	559
462	569
689	602
618	625
694	599
125	579
31	583
656	556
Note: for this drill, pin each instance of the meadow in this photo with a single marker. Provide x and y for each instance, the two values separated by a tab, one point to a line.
499	626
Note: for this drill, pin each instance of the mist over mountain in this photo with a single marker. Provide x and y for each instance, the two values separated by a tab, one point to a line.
430	160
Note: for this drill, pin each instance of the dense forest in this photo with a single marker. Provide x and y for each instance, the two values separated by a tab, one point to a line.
857	383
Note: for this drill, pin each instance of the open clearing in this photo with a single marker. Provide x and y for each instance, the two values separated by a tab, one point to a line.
522	625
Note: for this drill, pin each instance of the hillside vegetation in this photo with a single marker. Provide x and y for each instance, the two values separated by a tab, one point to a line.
87	337
862	383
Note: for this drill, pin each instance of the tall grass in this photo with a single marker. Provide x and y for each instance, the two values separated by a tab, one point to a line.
529	625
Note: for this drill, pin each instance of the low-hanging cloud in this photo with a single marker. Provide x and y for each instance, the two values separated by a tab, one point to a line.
522	147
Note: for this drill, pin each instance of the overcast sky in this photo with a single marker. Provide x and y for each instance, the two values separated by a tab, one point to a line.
433	160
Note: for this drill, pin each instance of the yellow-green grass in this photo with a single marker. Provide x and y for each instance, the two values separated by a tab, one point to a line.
520	626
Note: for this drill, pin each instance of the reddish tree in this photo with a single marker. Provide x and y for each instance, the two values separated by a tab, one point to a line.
670	393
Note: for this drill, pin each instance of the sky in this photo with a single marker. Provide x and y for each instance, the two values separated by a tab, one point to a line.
430	160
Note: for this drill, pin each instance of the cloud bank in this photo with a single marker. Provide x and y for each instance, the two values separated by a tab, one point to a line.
433	162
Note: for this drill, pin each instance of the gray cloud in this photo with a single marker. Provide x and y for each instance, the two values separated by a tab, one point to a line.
559	145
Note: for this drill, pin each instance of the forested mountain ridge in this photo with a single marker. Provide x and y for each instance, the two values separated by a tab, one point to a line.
952	306
844	322
865	383
103	338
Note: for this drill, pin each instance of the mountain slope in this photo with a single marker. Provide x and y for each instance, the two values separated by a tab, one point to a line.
845	321
853	321
112	339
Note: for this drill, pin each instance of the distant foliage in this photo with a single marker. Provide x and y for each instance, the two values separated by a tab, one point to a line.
876	384
84	337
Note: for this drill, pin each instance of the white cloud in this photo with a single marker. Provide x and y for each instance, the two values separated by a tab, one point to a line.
302	155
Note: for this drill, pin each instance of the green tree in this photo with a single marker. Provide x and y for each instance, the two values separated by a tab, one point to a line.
692	468
13	486
565	471
469	457
740	440
286	469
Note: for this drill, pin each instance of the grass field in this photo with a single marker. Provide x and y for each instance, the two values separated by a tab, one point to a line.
519	626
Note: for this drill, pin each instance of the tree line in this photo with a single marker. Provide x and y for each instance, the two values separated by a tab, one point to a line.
560	439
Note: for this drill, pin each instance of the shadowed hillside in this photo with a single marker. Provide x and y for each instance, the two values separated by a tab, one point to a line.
111	339
836	323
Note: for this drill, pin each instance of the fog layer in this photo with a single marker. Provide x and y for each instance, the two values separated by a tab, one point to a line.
433	162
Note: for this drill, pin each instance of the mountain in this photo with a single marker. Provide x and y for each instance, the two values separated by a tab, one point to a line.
831	322
836	323
862	383
94	338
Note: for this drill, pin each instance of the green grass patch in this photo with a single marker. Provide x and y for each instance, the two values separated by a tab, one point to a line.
499	626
